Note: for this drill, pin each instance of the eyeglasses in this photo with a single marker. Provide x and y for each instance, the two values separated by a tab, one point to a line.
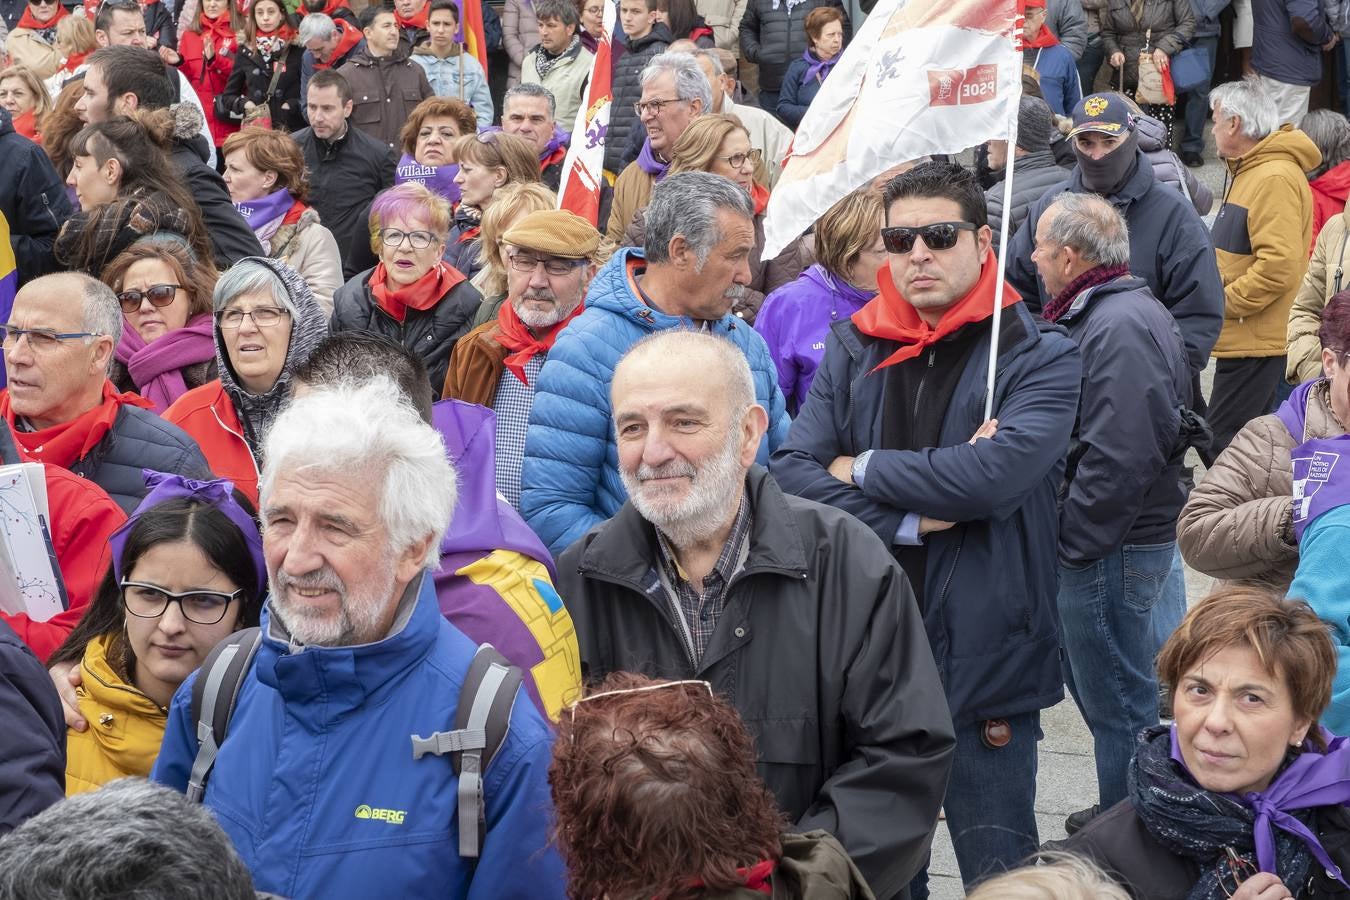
263	317
572	710
553	265
149	601
938	236
1235	870
655	106
159	295
393	237
736	160
40	340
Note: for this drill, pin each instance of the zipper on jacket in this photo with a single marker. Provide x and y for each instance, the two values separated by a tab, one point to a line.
683	628
942	595
47	205
918	394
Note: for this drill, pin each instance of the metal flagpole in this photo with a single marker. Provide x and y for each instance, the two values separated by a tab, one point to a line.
1002	258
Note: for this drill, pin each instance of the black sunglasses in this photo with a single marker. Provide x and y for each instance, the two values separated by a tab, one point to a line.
938	236
159	295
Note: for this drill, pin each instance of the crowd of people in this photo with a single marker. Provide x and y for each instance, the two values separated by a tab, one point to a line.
436	539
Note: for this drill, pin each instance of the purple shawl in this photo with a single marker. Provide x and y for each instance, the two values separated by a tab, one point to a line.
818	67
1293	412
648	162
157	368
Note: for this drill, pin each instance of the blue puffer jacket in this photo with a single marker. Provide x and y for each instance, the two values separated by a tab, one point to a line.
317	786
570	480
991	580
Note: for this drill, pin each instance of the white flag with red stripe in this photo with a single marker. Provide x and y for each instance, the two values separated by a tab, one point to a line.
920	77
583	171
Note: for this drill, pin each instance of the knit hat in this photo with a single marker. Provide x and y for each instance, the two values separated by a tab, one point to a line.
557	232
1035	124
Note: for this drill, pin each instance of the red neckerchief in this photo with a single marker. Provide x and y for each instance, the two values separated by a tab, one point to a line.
1045	38
62	445
26	125
758	878
333	6
29	21
74	60
294	213
760	195
419	19
422	294
348	38
220	31
468	235
890	317
283	32
699	32
516	336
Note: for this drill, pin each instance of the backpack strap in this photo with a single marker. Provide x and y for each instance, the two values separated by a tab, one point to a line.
482	720
214	694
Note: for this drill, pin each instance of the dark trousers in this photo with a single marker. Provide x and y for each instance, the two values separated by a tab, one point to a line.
1090	63
1197	102
768	101
1244	388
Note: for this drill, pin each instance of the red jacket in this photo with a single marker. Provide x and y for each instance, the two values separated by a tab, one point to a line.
207	415
83	518
208	78
1329	191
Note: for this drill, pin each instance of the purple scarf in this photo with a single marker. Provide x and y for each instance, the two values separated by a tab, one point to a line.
555	143
260	212
437	179
1313	779
648	162
818	67
157	368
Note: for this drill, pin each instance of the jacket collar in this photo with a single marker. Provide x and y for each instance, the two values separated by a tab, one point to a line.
624	550
1092	296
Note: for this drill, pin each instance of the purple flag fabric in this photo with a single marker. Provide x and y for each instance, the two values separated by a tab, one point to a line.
258	213
437	179
1321	478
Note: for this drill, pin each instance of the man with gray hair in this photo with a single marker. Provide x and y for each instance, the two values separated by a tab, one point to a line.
792	610
644	38
674	93
1261	238
328	43
58	344
148	841
1123	482
340	774
693	268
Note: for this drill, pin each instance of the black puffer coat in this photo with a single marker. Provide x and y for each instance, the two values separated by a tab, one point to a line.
773	34
431	334
251	77
139	440
627	90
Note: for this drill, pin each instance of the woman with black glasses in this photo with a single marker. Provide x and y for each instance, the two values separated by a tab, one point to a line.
412	295
167	346
187	570
267	322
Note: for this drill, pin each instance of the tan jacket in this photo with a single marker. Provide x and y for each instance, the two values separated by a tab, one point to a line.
632	191
1237	524
566	80
310	249
476	366
27	49
1261	239
724	18
1331	254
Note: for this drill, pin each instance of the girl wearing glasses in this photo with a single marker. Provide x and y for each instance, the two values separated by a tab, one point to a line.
412	295
267	323
167	346
720	145
187	571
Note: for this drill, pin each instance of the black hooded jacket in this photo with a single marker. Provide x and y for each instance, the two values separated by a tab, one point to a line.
33	200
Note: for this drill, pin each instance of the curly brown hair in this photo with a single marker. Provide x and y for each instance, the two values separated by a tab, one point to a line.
654	789
456	111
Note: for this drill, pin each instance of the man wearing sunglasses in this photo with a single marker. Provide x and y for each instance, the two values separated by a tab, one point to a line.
892	431
58	343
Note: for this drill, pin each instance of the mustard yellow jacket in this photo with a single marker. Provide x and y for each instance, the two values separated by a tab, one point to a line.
1261	237
125	726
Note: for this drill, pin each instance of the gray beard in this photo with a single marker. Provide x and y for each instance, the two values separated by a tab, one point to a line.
698	516
541	319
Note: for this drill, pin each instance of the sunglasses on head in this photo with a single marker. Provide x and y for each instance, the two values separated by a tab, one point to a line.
159	295
937	236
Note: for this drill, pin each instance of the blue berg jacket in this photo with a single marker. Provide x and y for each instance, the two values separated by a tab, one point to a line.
316	782
570	479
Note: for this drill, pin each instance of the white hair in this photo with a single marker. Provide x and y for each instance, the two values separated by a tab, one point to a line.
316	27
357	429
690	82
1249	101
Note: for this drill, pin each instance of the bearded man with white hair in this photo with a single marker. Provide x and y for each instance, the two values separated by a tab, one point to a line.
794	611
325	781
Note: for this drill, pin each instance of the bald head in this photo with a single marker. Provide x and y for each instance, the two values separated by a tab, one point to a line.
707	366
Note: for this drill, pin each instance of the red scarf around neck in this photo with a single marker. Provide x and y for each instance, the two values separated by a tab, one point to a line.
219	31
1044	38
26	125
421	295
282	32
517	337
63	445
332	7
758	878
759	195
348	37
29	21
889	316
419	19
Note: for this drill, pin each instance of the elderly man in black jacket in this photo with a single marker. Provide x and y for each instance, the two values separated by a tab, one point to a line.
792	610
1123	485
33	764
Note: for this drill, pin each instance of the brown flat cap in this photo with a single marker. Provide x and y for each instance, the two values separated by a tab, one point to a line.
557	232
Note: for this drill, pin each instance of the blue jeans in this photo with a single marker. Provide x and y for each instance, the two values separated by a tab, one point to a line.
1197	102
1090	63
990	802
1106	617
1171	606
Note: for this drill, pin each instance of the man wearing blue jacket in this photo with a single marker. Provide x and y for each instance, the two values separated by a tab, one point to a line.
331	781
695	265
893	432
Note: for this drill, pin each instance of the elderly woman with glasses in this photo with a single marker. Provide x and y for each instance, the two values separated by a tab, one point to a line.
412	295
720	144
32	42
187	571
267	324
1243	795
167	346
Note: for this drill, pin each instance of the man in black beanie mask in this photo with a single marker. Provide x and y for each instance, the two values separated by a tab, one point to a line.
1170	247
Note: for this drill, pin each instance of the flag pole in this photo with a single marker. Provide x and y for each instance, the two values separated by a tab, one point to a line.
1002	258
